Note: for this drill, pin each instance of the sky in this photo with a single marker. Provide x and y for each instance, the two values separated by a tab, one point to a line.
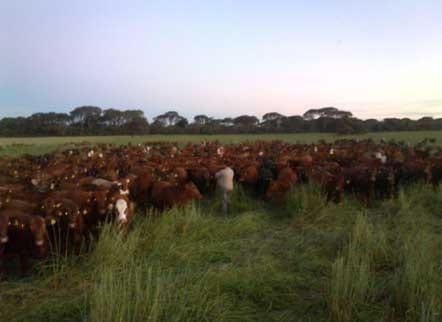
378	58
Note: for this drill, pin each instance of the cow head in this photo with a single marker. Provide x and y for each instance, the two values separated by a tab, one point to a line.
72	212
4	220
275	189
37	227
101	202
192	191
122	211
179	174
250	175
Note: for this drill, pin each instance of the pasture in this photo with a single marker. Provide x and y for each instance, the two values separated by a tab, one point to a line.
303	259
37	145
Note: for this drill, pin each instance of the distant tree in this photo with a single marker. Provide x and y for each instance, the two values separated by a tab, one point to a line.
182	122
170	118
226	122
272	120
331	112
87	118
246	120
425	123
201	120
294	123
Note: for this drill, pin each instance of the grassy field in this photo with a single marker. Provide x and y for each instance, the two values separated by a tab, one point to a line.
300	260
18	146
303	260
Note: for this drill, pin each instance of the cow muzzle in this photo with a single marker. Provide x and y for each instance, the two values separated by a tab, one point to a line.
39	242
122	220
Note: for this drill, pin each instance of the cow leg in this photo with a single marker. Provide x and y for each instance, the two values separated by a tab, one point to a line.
24	262
2	262
225	201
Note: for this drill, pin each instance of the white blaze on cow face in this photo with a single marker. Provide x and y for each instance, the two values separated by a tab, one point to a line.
121	209
380	156
332	151
39	242
124	192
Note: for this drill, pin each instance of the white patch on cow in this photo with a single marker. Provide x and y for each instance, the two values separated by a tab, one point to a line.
39	242
332	151
315	149
52	186
121	207
72	225
124	192
110	207
4	240
100	155
71	152
382	157
261	153
34	182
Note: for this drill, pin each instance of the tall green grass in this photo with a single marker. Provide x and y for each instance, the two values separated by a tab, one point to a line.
353	277
323	262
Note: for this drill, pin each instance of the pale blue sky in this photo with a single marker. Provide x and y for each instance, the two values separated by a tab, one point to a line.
375	58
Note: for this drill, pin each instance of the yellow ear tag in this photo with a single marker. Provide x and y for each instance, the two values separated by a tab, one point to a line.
53	221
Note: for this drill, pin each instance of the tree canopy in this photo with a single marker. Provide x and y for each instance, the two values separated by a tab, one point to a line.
93	120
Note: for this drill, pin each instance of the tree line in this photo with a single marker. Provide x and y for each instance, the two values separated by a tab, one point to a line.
92	120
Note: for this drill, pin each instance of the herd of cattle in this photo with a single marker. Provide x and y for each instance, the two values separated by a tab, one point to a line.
55	203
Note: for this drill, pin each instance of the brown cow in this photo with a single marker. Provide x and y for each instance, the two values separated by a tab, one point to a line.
21	235
166	195
287	178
